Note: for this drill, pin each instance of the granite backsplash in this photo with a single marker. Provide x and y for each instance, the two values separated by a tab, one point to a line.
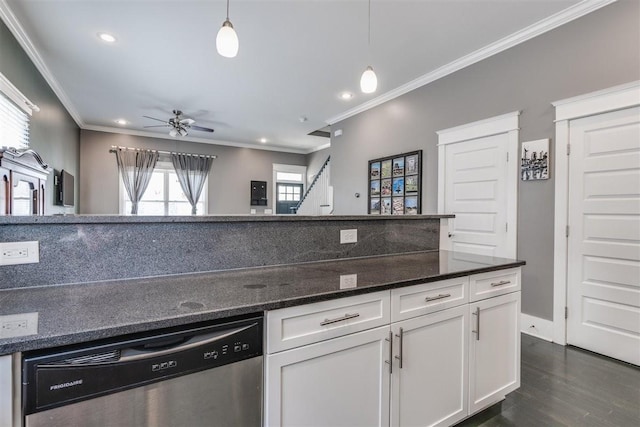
86	249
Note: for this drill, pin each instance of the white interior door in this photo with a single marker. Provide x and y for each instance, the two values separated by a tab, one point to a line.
476	192
603	275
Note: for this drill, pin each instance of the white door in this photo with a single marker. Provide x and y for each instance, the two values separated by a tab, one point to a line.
339	382
494	350
476	192
431	387
604	235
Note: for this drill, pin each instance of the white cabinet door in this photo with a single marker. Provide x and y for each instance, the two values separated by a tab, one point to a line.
494	349
339	382
430	389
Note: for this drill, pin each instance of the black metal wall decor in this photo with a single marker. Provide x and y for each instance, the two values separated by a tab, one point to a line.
394	184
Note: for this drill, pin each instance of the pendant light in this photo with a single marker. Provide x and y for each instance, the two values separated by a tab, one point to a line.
227	40
369	80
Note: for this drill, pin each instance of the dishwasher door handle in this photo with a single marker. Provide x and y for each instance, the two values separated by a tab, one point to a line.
128	354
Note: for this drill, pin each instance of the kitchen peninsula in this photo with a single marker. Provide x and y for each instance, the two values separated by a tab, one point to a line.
96	281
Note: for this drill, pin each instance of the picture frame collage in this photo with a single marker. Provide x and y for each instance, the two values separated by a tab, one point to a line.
394	184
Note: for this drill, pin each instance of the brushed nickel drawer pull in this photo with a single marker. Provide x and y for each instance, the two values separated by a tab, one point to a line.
401	336
390	361
339	319
440	296
501	283
477	331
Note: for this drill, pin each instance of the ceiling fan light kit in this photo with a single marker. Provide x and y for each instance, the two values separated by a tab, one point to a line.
227	42
179	126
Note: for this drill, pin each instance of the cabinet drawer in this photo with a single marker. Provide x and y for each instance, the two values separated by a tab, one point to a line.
487	285
417	300
295	326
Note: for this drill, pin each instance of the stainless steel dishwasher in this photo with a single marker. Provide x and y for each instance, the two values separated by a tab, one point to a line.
208	375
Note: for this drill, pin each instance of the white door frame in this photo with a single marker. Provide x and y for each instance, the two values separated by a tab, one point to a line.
603	101
506	123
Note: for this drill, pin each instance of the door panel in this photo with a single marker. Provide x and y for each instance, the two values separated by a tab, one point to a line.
476	192
604	241
431	387
321	384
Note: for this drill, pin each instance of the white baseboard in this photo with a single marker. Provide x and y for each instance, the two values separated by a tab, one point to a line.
537	327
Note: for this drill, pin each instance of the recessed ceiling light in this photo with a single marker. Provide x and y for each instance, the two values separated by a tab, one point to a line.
121	122
346	95
263	140
106	37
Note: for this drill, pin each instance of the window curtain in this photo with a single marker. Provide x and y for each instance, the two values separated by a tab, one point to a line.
192	171
136	168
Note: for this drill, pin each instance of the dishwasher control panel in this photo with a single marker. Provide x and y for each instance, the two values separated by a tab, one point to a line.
65	376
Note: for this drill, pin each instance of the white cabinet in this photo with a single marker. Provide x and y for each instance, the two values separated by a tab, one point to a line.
406	357
429	387
339	382
494	350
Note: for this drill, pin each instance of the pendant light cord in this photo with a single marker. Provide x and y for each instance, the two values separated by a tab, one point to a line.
369	27
228	9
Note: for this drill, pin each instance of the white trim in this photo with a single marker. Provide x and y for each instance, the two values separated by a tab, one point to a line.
615	98
16	96
321	147
189	138
506	123
536	326
278	167
487	127
602	101
21	36
567	15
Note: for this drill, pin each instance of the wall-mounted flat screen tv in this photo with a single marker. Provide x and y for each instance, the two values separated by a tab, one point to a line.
65	189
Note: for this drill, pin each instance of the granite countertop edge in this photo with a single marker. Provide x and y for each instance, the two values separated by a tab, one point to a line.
133	219
39	342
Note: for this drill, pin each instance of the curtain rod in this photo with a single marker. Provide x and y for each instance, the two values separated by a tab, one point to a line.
115	148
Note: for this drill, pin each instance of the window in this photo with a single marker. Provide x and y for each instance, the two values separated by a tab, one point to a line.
14	124
289	192
164	195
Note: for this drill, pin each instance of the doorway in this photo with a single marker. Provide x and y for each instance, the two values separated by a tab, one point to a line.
478	182
288	197
597	273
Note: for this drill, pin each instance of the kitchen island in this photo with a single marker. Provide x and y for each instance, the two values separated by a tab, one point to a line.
103	278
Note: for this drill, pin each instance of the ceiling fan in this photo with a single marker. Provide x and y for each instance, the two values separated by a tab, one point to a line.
179	126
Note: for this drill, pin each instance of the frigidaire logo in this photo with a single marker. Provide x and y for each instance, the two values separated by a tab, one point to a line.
65	385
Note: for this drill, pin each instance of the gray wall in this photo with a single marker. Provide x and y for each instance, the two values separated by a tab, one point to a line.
594	52
229	180
54	134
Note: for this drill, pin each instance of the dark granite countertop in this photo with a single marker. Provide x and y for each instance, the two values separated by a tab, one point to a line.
77	313
129	219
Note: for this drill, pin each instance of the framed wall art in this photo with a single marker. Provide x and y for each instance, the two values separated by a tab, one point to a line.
394	184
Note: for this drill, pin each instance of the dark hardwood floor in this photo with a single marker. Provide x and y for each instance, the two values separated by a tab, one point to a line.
567	386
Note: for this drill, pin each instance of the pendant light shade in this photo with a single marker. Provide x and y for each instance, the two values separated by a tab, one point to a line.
368	81
227	42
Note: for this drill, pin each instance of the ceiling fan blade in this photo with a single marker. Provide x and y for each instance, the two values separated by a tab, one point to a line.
188	122
156	126
153	118
200	128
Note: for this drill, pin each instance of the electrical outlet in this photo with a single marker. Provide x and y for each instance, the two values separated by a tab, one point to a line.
19	253
18	325
349	236
348	281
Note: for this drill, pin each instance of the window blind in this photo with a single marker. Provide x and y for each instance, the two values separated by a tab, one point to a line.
14	125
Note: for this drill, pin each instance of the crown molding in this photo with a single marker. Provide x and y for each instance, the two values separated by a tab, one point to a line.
18	32
318	148
188	138
567	15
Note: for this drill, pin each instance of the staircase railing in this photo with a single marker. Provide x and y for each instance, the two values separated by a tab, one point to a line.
320	175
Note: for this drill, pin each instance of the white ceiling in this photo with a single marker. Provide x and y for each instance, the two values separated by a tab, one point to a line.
295	58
